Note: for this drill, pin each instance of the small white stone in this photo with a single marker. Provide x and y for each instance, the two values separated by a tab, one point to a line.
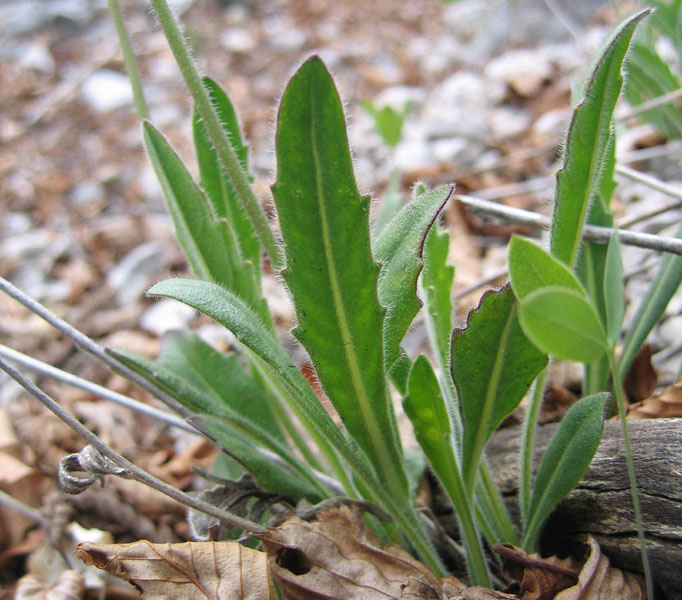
106	90
238	40
525	71
132	275
507	121
165	315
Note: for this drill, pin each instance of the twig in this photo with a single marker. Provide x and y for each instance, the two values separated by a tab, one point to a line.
93	388
24	509
479	284
592	233
652	182
536	184
673	147
88	345
131	470
666	98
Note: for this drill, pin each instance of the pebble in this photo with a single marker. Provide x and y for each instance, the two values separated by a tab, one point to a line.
525	70
166	315
131	277
238	40
106	90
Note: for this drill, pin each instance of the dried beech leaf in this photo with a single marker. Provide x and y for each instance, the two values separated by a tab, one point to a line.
192	570
538	578
68	586
641	378
599	581
337	556
664	405
480	593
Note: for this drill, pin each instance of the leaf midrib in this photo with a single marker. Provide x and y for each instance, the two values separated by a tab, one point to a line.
337	302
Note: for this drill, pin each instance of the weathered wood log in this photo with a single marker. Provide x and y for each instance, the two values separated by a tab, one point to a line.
601	503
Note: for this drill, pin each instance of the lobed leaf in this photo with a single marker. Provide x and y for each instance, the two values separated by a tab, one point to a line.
565	461
586	145
330	271
493	364
563	323
399	249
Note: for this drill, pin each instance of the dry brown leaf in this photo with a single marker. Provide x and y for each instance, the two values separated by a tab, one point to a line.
192	570
337	556
641	378
68	586
661	406
538	578
599	581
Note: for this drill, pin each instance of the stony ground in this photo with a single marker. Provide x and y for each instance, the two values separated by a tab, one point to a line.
84	226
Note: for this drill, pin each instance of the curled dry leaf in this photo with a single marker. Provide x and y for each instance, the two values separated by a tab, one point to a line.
660	406
599	581
192	570
641	378
336	555
567	579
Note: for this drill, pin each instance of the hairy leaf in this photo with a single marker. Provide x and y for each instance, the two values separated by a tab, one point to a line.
216	184
210	245
563	323
586	144
614	293
493	364
330	271
565	461
399	249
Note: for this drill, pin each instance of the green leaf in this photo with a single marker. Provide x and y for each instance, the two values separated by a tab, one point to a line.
586	144
565	461
203	400
649	77
400	371
437	278
220	375
563	323
531	268
226	308
614	292
209	245
652	306
399	249
389	206
388	121
216	184
330	271
492	365
273	476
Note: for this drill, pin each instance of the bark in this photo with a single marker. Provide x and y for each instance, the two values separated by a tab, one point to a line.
601	503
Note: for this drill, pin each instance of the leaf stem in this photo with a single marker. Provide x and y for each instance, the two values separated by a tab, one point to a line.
620	402
223	147
132	470
129	60
528	443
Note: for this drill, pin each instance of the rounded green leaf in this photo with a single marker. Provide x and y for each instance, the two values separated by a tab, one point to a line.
563	323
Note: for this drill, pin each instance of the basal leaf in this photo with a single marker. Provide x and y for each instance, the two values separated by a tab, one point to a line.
399	249
614	293
216	184
565	461
274	476
330	271
563	323
493	364
200	399
531	267
209	245
219	375
586	144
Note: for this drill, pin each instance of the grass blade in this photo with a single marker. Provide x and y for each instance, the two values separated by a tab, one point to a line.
330	271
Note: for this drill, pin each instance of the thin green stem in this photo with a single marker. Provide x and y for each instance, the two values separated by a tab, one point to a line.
223	147
528	443
129	60
620	402
502	521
